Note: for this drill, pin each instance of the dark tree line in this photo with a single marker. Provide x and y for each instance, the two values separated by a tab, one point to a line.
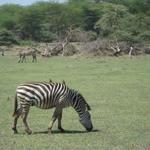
125	20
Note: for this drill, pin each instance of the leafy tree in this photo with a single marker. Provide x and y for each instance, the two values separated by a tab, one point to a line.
135	6
110	21
31	20
9	15
48	21
90	17
137	27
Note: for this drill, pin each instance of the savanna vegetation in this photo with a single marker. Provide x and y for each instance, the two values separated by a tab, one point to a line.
88	20
117	90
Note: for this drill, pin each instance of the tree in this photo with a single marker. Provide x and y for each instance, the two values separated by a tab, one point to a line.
90	17
135	6
9	15
134	28
49	21
31	20
110	21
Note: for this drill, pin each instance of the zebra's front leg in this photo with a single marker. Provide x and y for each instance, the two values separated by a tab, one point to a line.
32	58
56	113
24	118
59	122
24	59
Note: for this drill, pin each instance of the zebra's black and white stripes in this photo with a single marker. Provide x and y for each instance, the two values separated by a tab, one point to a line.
46	96
42	95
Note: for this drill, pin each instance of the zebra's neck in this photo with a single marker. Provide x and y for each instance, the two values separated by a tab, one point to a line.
77	102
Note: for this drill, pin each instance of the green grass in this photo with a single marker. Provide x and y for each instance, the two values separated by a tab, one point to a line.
118	90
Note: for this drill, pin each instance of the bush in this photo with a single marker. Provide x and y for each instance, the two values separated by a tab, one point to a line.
147	50
7	38
47	36
127	37
98	47
78	35
91	35
70	50
145	35
27	42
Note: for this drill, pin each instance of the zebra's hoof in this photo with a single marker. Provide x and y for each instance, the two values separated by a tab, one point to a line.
49	131
15	130
28	131
61	130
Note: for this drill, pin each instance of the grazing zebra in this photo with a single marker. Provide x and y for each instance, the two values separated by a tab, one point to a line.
24	53
46	96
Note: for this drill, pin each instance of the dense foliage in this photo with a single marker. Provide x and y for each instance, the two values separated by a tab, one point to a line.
126	20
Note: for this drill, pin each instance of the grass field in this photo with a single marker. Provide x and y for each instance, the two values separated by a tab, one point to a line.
118	90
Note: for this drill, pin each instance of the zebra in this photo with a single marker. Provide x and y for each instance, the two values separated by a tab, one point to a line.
2	51
47	95
24	53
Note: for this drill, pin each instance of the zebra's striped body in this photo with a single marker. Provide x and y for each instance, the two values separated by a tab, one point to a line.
46	96
42	95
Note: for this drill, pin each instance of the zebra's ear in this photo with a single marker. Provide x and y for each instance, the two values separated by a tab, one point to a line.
50	81
63	82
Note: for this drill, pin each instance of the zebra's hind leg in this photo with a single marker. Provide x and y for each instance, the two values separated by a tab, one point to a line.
19	59
59	122
24	118
23	58
17	115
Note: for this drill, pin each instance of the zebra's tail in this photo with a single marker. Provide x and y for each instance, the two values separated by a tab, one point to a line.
15	105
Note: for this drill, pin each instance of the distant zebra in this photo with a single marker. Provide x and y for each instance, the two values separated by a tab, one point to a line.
28	52
2	50
46	96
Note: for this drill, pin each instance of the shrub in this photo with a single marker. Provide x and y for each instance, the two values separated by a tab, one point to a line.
98	47
70	50
78	35
47	36
145	35
7	38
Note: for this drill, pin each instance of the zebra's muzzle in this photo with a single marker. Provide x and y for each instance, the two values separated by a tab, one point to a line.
89	129
85	120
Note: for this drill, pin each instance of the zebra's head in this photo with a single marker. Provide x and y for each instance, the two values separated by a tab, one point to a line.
85	120
83	110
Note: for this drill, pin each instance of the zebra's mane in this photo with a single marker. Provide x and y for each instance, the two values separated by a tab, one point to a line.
78	94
